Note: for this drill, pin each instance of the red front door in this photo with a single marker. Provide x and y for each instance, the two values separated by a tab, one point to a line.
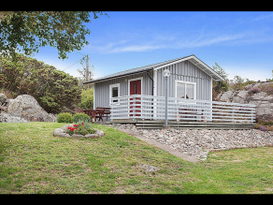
135	89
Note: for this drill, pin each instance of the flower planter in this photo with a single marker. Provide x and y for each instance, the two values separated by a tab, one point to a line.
62	132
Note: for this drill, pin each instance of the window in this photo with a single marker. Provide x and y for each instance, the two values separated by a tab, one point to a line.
185	90
114	92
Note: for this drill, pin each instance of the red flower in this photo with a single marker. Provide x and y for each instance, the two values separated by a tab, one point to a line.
82	123
75	125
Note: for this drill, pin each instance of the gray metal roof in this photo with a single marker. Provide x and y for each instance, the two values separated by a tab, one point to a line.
192	58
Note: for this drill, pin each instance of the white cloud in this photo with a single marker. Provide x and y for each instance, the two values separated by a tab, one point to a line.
209	41
247	72
125	46
263	17
179	41
135	48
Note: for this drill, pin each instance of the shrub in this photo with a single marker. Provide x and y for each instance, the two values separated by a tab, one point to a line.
64	117
270	128
263	128
81	117
52	88
265	122
87	99
248	82
238	83
267	88
256	126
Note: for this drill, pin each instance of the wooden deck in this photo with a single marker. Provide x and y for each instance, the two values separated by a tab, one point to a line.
149	124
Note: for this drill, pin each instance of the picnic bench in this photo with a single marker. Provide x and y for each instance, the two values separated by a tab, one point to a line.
99	113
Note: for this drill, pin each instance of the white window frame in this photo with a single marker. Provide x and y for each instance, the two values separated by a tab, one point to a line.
186	83
110	93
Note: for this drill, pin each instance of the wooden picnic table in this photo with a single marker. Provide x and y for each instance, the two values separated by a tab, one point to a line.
99	113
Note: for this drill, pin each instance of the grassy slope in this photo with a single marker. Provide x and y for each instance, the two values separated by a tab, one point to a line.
33	161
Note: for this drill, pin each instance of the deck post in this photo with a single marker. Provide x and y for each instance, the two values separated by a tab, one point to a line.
166	74
252	119
232	113
166	104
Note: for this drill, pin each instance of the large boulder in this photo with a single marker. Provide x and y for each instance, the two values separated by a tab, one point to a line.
227	96
27	107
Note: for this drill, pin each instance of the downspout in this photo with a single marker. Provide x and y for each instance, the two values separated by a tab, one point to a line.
216	86
151	80
152	88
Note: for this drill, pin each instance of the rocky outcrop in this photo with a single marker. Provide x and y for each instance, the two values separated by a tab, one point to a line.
252	94
26	107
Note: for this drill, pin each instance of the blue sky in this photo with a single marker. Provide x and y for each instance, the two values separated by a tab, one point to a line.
240	42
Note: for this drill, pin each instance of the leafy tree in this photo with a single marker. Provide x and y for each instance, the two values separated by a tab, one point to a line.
27	31
52	88
222	86
87	99
220	70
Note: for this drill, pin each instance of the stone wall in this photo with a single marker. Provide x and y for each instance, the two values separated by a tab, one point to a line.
199	142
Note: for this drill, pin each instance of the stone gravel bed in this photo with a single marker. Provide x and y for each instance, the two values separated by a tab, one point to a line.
198	142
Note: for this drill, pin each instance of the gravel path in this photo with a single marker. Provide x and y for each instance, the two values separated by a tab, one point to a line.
194	145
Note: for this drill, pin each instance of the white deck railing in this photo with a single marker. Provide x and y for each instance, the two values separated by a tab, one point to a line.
153	108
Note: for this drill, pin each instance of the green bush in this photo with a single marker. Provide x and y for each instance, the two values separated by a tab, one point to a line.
64	117
87	99
81	117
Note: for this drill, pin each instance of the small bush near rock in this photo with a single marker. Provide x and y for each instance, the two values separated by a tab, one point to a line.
270	128
81	117
263	128
267	88
64	117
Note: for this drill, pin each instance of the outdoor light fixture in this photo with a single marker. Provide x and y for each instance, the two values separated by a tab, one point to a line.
166	74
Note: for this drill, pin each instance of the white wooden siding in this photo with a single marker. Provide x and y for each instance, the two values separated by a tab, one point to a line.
183	71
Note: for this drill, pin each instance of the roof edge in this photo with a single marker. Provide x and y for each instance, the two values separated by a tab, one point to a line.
217	77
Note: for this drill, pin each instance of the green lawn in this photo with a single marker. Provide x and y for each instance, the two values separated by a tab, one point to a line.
33	161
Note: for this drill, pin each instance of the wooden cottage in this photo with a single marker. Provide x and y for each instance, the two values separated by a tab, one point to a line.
139	93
